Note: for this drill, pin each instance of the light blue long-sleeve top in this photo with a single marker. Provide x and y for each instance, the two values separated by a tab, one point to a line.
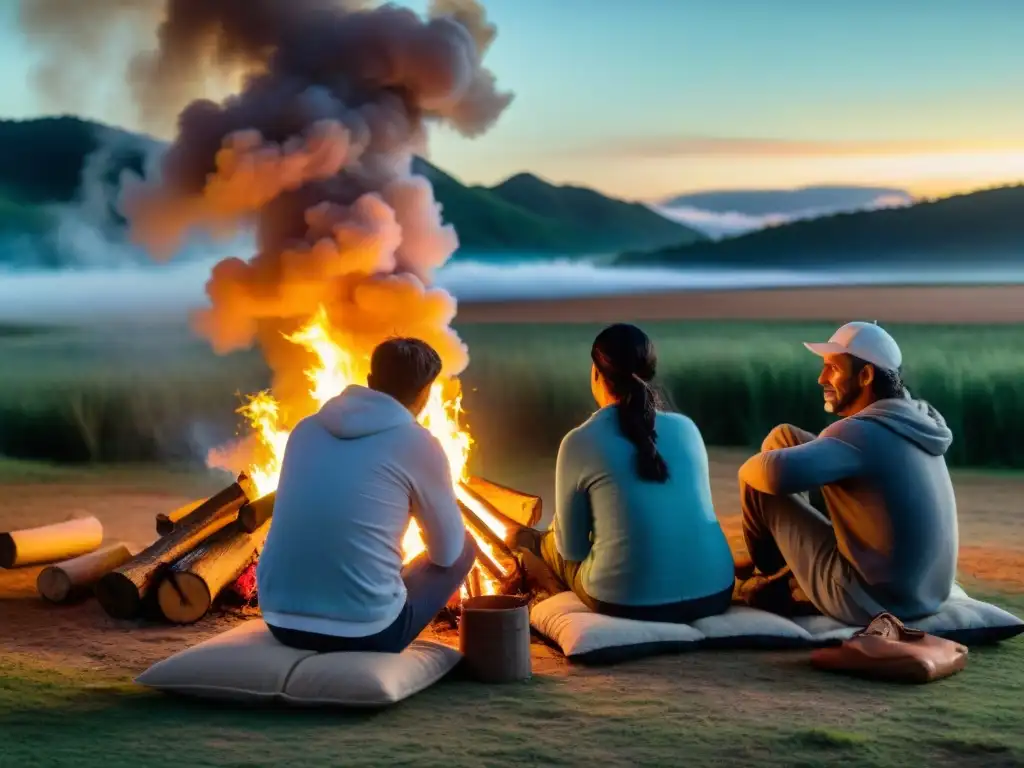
641	543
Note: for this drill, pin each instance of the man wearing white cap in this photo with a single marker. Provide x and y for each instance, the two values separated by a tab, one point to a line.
892	541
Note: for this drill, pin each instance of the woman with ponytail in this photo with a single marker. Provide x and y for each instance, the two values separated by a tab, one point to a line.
634	533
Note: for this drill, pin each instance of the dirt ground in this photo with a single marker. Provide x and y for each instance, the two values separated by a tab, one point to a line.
82	636
894	304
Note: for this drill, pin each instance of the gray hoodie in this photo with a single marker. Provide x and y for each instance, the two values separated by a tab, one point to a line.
352	475
884	478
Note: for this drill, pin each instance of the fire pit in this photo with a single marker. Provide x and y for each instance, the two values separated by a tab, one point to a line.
204	547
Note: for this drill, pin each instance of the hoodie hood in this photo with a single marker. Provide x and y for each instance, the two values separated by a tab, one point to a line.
360	411
914	420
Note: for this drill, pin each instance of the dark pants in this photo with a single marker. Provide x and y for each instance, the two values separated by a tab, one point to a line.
788	530
428	587
567	574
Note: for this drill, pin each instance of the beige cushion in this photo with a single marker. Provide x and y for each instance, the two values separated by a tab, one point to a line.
247	664
590	638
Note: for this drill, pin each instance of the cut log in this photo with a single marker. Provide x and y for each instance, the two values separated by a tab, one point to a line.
476	515
521	508
254	514
165	521
485	560
123	591
474	584
71	579
50	543
191	585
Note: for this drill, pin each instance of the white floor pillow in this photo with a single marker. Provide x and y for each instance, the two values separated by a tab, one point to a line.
590	638
246	664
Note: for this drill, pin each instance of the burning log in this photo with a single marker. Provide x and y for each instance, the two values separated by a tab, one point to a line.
122	591
165	521
192	584
50	543
484	532
485	561
514	506
254	514
64	582
521	508
477	501
473	584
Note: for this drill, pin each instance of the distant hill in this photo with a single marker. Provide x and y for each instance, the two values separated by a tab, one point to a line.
606	221
42	163
762	202
722	213
984	226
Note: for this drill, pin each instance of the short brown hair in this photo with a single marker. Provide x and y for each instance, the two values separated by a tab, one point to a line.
403	368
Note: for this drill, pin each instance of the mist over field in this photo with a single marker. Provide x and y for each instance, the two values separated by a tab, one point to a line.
149	293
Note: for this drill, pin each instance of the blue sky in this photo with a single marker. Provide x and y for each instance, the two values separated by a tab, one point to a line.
643	98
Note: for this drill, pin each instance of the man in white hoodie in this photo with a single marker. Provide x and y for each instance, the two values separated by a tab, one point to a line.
331	577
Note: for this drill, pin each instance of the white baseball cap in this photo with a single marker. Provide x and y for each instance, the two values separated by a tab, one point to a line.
867	341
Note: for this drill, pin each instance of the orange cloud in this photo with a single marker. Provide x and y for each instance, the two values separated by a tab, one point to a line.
705	146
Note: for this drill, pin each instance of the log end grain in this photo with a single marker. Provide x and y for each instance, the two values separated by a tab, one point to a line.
119	596
184	598
255	513
51	543
60	582
8	551
53	584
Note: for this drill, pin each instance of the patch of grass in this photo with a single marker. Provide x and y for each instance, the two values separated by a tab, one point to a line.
153	394
829	738
530	384
730	708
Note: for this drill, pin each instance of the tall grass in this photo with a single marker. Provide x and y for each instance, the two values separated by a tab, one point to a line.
157	394
738	380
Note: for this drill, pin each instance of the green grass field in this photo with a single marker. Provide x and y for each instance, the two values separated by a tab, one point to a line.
158	394
133	396
728	708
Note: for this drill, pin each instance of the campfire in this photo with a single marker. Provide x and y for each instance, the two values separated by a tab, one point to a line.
333	368
316	155
203	547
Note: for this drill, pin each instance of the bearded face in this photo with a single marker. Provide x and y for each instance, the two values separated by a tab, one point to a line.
843	383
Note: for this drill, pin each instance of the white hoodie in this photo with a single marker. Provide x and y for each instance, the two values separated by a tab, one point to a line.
351	476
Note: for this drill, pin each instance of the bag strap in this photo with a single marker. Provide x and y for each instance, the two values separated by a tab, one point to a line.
888	626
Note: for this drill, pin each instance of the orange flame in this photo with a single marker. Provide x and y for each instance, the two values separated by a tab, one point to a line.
337	367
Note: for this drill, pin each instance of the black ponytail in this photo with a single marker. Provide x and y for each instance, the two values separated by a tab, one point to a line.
624	356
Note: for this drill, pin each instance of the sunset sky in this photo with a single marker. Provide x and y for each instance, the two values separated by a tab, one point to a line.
645	98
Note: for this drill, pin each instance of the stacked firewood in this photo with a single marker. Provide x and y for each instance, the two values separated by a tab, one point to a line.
205	550
201	549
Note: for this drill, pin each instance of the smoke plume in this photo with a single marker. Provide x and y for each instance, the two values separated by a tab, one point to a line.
315	154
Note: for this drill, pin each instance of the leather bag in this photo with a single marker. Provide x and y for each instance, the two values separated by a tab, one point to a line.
888	650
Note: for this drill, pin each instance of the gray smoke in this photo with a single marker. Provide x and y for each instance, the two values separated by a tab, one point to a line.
314	152
317	152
